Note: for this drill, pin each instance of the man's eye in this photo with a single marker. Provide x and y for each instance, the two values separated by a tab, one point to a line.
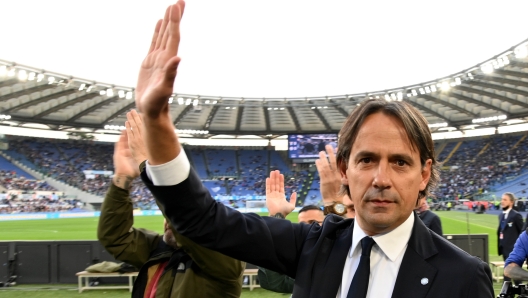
366	160
401	163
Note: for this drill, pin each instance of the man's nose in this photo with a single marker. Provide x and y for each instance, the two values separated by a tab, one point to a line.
382	177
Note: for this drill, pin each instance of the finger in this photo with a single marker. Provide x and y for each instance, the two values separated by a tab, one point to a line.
136	122
173	35
331	156
119	144
137	117
128	129
293	199
155	36
281	183
268	186
131	127
162	29
170	71
319	165
273	181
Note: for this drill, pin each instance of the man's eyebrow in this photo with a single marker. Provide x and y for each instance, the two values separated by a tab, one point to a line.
365	153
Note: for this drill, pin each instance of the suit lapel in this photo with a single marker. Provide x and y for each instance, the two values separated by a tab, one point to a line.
330	273
416	275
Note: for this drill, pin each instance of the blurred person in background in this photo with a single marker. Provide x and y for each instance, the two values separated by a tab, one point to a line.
170	264
431	220
510	227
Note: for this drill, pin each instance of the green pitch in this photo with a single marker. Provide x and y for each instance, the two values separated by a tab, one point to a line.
86	228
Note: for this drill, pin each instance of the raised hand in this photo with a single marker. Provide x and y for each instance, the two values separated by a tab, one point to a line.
158	70
330	177
275	196
134	127
126	169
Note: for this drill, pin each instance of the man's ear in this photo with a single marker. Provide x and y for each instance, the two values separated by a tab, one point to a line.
426	174
342	166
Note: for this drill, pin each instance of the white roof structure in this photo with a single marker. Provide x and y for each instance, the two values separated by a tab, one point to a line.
491	94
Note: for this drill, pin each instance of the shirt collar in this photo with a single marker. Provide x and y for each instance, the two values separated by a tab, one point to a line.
391	243
507	211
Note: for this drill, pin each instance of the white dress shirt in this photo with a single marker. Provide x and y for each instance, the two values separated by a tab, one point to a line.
170	173
506	213
385	258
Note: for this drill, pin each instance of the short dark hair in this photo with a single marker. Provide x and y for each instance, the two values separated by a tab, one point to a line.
310	207
415	126
510	195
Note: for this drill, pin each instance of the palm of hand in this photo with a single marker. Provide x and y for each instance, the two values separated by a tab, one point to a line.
152	88
124	163
276	203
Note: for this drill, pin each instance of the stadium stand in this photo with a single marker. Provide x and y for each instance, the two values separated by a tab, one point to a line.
473	168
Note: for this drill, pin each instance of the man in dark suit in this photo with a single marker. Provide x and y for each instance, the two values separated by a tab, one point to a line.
510	226
386	160
430	220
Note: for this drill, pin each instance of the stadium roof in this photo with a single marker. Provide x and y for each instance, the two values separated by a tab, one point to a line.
491	94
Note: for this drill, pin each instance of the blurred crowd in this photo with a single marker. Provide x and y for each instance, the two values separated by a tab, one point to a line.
476	167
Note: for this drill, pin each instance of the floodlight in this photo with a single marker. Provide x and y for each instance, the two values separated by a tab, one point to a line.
521	51
22	75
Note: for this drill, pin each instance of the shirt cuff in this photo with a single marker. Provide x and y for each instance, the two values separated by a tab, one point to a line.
170	173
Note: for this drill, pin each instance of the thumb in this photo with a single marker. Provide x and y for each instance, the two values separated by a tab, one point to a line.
170	70
293	199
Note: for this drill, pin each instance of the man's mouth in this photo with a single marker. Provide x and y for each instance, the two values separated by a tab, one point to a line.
381	203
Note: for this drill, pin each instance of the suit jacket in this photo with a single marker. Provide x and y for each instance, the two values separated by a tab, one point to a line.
315	255
432	221
512	229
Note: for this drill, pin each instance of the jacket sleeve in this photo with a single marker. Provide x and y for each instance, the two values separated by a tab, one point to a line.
519	252
481	283
117	234
518	222
262	241
212	263
276	282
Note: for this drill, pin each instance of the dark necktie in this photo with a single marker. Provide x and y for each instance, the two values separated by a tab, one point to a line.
360	282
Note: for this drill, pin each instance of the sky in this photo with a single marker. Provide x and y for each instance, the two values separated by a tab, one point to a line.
247	48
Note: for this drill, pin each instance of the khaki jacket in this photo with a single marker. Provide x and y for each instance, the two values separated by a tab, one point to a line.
192	270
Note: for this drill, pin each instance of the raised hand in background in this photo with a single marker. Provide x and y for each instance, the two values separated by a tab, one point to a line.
330	176
276	197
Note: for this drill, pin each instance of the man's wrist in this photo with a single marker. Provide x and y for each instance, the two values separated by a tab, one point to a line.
123	181
279	215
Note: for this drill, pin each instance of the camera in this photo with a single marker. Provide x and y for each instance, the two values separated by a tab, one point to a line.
509	290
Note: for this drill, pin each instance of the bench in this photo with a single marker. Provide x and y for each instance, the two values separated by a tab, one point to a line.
86	276
252	275
497	270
